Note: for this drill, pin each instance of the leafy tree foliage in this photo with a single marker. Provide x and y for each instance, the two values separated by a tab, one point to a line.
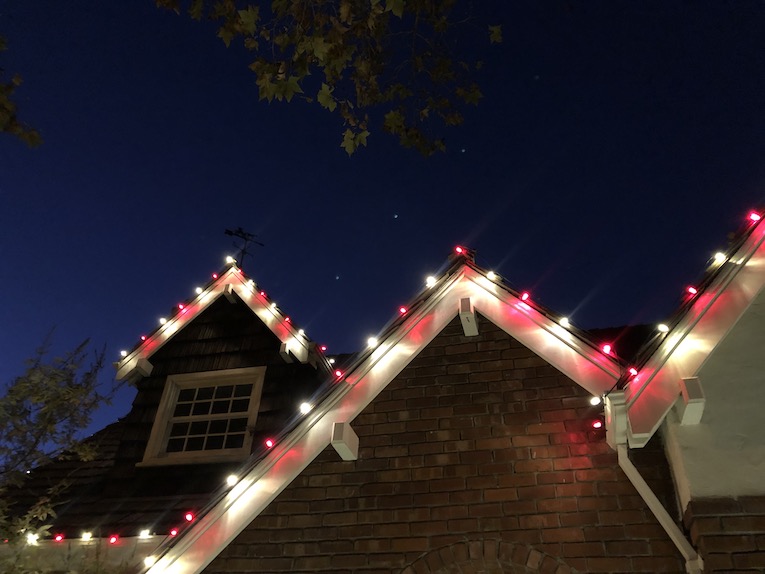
42	413
356	58
9	121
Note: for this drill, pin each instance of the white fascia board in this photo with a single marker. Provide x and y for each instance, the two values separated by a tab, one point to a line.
297	344
686	347
205	539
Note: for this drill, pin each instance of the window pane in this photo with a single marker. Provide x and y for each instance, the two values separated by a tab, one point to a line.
179	429
183	410
205	393
220	407
240	405
199	427
243	391
214	442
224	392
218	427
175	445
237	425
234	441
201	408
195	443
186	395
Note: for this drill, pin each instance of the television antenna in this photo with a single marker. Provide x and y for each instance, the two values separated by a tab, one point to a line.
247	239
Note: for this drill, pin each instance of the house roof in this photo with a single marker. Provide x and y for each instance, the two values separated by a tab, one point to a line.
475	294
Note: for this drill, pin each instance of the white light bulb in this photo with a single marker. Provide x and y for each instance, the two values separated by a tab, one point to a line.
230	260
301	332
145	533
32	538
372	342
595	401
305	408
86	536
162	320
430	281
332	361
720	257
123	353
149	561
662	328
198	290
564	322
232	479
491	276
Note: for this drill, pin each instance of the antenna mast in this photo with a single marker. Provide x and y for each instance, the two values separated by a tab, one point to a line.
247	239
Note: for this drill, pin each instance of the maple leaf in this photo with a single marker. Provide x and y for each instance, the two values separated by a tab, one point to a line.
495	34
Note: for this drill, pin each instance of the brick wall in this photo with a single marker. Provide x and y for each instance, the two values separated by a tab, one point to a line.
478	457
729	533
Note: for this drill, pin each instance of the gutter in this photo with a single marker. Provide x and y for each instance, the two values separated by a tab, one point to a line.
616	436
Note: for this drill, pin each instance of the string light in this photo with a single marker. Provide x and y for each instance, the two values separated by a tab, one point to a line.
331	361
143	337
189	516
720	257
87	536
173	532
754	216
149	561
123	353
607	349
402	310
633	371
525	296
460	250
564	322
692	290
180	306
372	342
232	479
430	281
198	290
230	260
323	348
214	275
338	373
301	332
662	328
113	539
162	320
595	401
58	538
491	276
305	408
269	443
597	424
32	538
145	533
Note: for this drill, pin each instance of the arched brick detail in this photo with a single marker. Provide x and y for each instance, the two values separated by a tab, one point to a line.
487	557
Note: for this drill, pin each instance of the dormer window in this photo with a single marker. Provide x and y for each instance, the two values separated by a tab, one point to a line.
206	417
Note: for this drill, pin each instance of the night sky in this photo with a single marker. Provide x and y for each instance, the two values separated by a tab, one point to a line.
617	145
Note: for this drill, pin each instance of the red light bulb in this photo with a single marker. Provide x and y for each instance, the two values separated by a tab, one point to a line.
287	320
214	275
607	349
113	539
189	516
269	443
754	216
633	371
692	290
173	532
58	537
524	296
597	424
402	310
338	373
459	250
323	348
143	337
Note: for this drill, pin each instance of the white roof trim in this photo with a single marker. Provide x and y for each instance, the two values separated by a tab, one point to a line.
687	346
596	372
299	345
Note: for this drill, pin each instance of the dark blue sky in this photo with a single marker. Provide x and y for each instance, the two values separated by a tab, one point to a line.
616	146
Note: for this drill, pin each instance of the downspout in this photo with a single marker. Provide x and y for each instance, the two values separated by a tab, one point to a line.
616	436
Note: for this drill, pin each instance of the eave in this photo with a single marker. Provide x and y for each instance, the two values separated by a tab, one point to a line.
231	281
710	316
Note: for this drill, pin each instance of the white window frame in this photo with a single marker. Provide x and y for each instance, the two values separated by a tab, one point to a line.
156	449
